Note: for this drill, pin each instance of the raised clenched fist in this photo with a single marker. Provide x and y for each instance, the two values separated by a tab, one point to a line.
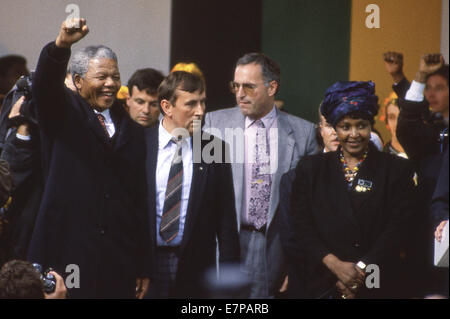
429	63
393	62
71	31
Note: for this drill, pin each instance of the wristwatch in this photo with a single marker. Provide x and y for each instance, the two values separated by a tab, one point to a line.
361	265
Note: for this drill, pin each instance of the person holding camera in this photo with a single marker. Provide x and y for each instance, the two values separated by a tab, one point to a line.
21	148
21	280
93	209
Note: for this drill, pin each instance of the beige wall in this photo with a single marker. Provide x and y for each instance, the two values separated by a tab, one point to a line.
410	27
137	30
444	30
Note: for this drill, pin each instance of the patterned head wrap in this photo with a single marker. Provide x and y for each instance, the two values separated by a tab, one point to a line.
344	98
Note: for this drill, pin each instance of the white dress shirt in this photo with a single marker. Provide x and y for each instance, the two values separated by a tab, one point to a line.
108	121
166	152
415	92
23	137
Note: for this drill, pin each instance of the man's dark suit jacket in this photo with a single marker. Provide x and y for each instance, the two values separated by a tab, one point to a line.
418	130
93	211
371	226
439	202
210	215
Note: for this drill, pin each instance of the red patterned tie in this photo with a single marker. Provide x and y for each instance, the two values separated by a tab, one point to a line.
101	118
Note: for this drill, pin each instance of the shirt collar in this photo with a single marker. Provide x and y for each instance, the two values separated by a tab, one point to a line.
165	137
106	114
267	120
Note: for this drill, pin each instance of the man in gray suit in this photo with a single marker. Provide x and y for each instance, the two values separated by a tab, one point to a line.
265	143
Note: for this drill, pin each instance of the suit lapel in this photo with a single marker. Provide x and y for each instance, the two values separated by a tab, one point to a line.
338	192
151	140
122	124
282	157
93	123
238	121
197	191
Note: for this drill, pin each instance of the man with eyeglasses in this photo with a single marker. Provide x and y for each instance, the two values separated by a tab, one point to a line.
272	143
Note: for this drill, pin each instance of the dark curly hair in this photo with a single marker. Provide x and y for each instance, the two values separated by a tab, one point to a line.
19	280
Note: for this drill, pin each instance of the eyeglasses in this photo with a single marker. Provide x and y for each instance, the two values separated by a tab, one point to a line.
249	88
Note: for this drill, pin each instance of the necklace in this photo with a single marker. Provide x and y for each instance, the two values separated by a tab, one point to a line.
349	173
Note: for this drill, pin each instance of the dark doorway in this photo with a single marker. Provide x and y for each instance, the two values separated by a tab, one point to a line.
214	34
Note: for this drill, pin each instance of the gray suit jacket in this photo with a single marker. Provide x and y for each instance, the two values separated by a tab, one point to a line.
296	138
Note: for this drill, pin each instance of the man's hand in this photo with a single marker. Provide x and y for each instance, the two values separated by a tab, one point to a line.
284	287
439	229
71	32
15	110
141	287
429	63
60	290
393	62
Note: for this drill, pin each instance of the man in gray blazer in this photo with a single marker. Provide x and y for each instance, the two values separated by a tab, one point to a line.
264	144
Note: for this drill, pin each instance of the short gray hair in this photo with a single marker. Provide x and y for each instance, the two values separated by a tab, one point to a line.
80	61
269	68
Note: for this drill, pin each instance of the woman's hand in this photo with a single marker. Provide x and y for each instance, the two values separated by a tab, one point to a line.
346	293
350	275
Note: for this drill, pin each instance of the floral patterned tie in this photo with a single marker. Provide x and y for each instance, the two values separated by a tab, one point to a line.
261	180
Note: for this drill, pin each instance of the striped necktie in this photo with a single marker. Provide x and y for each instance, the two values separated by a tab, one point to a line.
170	219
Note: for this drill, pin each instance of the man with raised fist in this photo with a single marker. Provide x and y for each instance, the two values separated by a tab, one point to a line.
93	210
424	108
422	130
393	62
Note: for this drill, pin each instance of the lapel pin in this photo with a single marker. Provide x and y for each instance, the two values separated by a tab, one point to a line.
363	186
201	168
416	179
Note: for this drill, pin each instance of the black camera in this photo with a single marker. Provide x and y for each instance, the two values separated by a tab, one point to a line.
48	280
23	88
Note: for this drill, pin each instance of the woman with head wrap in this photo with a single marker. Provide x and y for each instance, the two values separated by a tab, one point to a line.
350	208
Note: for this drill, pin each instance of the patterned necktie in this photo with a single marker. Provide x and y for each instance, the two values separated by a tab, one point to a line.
170	220
101	118
261	180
